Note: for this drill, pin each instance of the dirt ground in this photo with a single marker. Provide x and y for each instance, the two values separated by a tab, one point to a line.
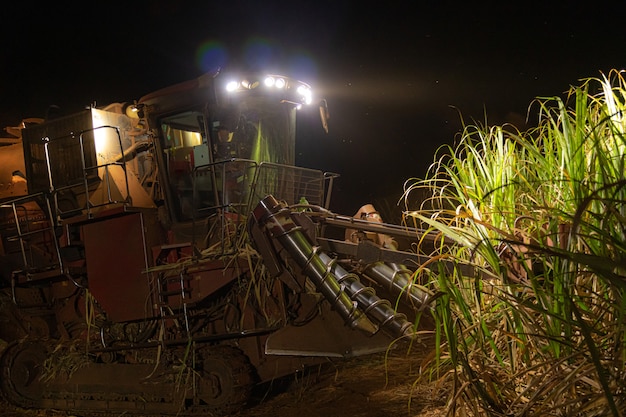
376	385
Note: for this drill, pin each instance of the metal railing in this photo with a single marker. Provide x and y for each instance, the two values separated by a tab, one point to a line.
31	221
241	183
33	231
111	178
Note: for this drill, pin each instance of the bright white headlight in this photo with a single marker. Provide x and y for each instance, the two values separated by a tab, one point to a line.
270	81
306	94
232	86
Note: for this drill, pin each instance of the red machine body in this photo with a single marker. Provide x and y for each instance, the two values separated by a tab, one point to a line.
164	256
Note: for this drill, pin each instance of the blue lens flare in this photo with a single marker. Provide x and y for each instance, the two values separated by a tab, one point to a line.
211	55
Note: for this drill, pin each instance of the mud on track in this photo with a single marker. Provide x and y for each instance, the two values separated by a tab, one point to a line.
378	385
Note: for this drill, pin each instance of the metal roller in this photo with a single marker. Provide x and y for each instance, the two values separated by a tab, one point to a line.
356	303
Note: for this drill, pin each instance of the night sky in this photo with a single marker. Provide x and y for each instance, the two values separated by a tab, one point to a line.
397	76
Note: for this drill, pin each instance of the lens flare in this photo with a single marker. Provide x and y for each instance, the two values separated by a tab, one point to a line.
211	55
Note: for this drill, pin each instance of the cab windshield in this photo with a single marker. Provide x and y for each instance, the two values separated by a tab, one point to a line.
211	158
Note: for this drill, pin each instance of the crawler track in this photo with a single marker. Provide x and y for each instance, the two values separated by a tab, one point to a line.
217	380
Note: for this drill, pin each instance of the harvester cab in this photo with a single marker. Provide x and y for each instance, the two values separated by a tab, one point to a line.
232	143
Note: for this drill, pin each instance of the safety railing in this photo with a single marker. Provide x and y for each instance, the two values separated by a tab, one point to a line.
240	184
103	183
291	184
29	233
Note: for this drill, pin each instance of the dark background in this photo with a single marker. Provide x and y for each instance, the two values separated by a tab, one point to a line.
398	76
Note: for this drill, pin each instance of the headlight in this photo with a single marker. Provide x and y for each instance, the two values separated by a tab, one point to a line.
305	92
287	89
232	86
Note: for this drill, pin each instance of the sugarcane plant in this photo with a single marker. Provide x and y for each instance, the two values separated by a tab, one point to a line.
537	326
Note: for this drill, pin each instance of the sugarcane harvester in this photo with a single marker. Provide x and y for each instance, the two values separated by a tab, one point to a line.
165	256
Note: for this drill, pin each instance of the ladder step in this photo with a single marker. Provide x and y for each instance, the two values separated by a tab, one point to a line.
30	276
175	292
176	279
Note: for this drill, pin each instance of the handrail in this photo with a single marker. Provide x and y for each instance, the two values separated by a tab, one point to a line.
21	216
88	207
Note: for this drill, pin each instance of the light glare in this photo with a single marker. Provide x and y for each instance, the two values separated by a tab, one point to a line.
232	86
305	92
302	90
